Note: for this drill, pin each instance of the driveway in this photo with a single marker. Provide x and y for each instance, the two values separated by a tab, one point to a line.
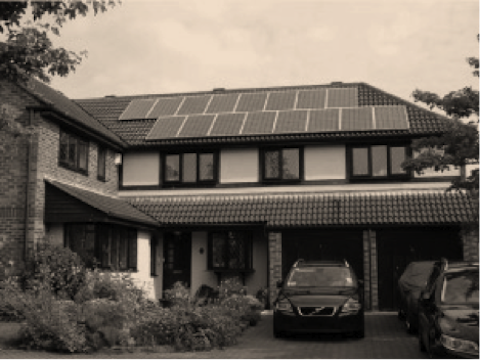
385	338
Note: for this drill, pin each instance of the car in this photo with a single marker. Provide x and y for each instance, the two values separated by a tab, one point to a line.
319	297
410	285
448	311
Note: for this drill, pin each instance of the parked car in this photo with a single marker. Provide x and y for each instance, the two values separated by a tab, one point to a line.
448	312
319	297
410	285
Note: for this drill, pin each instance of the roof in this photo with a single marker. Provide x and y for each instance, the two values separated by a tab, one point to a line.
312	209
202	107
110	206
66	107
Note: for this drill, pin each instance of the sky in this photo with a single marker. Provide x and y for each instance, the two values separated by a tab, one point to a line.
167	46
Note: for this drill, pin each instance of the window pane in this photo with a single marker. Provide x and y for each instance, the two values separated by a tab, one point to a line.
82	155
272	170
123	249
72	151
379	160
236	250
291	164
397	156
101	163
218	250
189	167
172	168
206	167
63	146
360	161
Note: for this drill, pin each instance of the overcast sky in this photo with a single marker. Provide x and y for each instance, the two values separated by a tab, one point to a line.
165	46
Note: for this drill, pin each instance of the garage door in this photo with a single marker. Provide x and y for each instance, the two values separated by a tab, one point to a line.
397	247
323	245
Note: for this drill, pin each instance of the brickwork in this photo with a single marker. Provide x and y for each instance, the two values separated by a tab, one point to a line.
366	270
275	262
373	269
470	244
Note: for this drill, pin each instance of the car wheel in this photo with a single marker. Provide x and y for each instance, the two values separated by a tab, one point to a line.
421	345
411	328
431	343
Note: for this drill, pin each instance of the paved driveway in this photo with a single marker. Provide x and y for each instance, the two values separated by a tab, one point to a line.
385	338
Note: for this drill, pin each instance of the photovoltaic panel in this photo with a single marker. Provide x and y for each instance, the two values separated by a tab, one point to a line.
222	103
259	123
194	105
227	124
357	119
165	128
291	121
165	107
251	102
137	109
324	120
391	117
196	126
281	100
311	99
346	97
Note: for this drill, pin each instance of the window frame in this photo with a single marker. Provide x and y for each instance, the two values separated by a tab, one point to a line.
198	182
390	176
102	163
280	179
79	143
248	251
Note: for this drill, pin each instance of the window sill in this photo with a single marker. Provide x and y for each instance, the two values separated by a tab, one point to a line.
102	179
71	168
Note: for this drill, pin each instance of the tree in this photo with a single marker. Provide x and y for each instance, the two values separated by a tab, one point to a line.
458	145
27	50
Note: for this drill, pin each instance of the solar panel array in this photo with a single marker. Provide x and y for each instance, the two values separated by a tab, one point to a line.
260	113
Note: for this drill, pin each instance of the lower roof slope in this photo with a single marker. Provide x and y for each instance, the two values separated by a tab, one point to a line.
312	209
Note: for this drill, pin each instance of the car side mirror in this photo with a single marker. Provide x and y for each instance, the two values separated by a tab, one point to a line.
279	283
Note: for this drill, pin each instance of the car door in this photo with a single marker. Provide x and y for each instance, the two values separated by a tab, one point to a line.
427	311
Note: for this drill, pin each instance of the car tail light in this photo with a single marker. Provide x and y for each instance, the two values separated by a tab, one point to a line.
284	306
351	307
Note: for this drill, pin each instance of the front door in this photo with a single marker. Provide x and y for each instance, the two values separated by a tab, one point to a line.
178	256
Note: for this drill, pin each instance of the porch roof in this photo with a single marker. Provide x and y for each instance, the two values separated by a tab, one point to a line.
312	209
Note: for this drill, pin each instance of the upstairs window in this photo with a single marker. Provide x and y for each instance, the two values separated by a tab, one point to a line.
101	163
230	250
377	161
73	153
190	168
282	164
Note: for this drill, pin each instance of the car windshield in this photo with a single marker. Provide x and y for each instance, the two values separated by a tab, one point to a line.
460	288
321	277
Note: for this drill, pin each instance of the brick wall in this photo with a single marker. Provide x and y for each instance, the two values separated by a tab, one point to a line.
470	244
275	262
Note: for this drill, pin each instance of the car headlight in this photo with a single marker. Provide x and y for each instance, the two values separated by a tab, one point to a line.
284	306
351	307
459	345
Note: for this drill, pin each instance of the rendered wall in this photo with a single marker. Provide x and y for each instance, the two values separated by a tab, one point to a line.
143	276
142	168
239	165
259	278
158	280
431	172
324	162
199	273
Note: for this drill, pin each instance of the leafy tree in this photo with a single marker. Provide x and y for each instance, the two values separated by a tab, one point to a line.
458	146
26	49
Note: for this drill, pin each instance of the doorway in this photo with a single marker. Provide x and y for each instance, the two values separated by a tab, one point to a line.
178	258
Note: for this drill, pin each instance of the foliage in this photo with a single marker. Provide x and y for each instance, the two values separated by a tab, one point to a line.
231	286
28	25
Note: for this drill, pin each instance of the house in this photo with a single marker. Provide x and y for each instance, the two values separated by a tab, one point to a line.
244	182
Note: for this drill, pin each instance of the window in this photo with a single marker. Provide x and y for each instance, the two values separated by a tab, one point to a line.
73	152
101	163
190	168
377	161
281	164
230	250
111	246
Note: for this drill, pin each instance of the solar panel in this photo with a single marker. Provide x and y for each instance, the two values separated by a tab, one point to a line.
357	119
251	102
165	107
137	109
291	121
165	128
342	97
324	120
227	124
259	123
391	117
311	99
281	100
222	103
196	126
194	105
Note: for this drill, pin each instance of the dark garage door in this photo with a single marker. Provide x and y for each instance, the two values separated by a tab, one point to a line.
323	245
397	247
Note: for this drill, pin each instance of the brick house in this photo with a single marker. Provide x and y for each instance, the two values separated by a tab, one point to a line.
242	183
